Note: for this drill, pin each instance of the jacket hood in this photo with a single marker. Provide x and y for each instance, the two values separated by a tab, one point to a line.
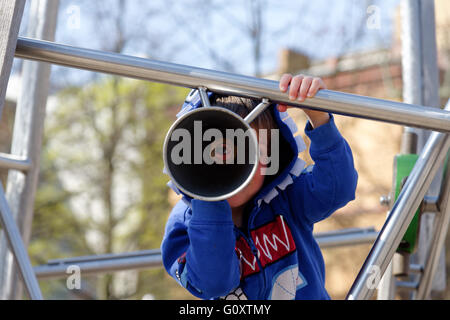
291	144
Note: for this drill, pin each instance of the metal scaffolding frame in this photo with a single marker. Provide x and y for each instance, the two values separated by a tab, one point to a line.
415	188
27	141
387	240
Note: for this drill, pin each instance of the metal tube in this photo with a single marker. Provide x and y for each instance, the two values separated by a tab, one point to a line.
346	237
415	268
400	217
101	264
260	108
204	97
9	161
152	258
407	285
18	249
231	84
411	51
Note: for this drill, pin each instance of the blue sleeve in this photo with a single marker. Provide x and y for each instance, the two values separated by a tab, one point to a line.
331	182
200	252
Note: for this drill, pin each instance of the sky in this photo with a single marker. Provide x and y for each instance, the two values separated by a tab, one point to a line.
215	34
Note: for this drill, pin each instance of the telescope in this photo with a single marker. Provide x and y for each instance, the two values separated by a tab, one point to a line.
212	169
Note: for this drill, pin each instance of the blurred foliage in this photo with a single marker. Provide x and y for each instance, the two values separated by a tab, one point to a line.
101	187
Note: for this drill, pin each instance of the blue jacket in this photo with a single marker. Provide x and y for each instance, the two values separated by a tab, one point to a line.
275	256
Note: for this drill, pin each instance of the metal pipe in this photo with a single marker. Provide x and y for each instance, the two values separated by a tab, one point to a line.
18	249
231	84
101	264
411	51
9	161
416	268
400	217
260	108
152	258
346	237
407	285
204	97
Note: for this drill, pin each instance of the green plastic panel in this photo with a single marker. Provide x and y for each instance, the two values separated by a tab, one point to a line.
403	165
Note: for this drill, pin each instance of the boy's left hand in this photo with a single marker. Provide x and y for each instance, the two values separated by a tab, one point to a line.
300	88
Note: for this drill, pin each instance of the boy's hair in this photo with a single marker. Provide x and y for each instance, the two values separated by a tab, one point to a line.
266	120
242	107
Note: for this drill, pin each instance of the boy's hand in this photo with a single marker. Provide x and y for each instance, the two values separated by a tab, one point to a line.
300	88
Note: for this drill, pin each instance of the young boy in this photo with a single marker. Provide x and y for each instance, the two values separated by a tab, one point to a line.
259	243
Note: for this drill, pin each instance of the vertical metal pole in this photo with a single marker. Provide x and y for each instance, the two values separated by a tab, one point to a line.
430	97
411	52
27	140
420	73
413	83
412	93
411	65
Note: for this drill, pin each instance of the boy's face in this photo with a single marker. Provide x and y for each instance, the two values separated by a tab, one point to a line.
250	190
255	184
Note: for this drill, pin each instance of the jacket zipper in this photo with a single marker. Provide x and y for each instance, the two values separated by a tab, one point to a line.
249	239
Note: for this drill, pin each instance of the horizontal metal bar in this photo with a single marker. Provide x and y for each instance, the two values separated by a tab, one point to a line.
416	268
152	258
407	285
108	256
100	264
346	237
231	84
10	161
429	205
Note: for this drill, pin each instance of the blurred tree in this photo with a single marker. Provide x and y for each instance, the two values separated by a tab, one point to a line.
104	190
57	232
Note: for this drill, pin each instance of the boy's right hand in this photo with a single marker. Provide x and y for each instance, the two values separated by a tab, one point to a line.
300	88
